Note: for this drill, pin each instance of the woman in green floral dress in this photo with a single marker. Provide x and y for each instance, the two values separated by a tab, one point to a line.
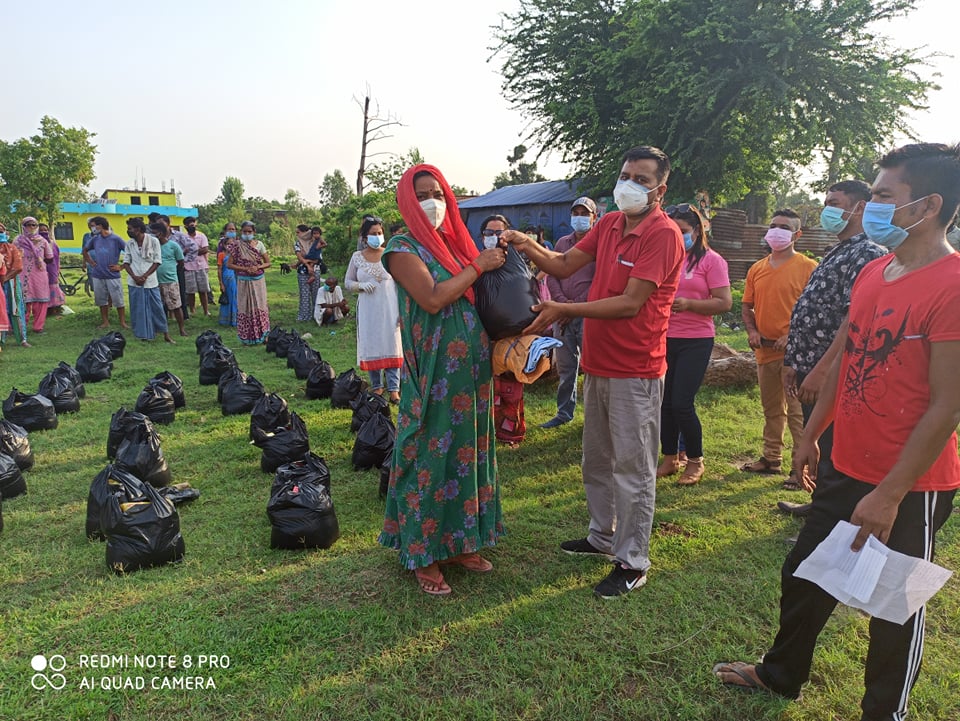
443	502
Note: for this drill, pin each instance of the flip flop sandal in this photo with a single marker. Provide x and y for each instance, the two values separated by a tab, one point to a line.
432	585
792	483
470	561
737	668
762	465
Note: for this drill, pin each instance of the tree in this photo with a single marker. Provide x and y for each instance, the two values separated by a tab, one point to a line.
231	193
294	201
384	177
334	190
39	172
739	88
519	172
373	126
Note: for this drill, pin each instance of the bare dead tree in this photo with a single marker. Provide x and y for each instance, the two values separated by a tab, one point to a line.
373	130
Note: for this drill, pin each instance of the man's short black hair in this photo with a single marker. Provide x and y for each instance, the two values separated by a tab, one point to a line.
648	152
100	221
316	229
152	217
164	218
929	168
188	219
138	224
856	189
490	218
303	228
158	228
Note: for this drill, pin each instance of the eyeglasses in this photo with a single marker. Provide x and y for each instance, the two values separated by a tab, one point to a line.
490	233
373	219
683	208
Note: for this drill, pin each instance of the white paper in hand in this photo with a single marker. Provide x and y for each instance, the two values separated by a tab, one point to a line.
884	583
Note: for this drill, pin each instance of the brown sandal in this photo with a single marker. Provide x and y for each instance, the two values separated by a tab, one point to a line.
762	465
793	483
692	473
430	584
669	466
470	561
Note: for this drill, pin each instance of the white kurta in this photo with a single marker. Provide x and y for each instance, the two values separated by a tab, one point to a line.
378	315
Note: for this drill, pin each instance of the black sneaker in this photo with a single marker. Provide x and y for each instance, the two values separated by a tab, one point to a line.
583	547
620	581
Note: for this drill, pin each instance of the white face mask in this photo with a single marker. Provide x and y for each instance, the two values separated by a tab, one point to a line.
632	198
374	241
436	211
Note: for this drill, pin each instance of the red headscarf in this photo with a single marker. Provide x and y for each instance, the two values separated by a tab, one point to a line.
453	247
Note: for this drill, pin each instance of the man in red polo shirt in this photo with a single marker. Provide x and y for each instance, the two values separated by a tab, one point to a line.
638	252
894	401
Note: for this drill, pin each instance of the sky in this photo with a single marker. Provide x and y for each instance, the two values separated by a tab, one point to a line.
267	92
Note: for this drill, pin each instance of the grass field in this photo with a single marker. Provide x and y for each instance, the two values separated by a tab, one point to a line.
345	634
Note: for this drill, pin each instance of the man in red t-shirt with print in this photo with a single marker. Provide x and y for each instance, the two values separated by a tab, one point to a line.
638	252
894	401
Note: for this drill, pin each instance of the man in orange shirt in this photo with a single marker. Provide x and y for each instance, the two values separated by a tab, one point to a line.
771	290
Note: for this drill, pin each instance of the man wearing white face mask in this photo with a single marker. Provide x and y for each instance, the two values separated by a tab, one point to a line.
772	288
638	253
893	398
574	289
823	305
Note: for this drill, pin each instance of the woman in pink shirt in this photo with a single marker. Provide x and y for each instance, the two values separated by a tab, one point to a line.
704	292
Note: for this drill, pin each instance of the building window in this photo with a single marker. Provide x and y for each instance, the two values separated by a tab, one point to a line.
135	200
63	231
153	200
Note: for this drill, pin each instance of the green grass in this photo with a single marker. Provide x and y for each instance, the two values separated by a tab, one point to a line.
345	634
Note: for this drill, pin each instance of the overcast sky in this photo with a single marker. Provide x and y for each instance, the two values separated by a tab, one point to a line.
195	91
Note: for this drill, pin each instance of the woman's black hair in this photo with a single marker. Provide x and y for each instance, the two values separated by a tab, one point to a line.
490	218
229	222
368	222
700	243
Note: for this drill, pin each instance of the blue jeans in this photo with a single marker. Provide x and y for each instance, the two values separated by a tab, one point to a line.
568	365
391	375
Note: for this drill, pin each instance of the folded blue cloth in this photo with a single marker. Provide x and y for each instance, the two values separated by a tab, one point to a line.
539	348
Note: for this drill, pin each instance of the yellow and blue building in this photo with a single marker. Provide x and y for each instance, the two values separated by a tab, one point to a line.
117	206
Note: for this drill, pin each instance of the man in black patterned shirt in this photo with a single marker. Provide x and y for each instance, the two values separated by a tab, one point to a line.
824	303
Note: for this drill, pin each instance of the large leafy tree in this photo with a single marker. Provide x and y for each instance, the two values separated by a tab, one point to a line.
334	190
38	172
384	176
730	89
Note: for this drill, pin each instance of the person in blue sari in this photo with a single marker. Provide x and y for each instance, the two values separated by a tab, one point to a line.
228	278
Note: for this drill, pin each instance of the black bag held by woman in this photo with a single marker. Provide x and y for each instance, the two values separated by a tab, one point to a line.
15	442
34	413
504	297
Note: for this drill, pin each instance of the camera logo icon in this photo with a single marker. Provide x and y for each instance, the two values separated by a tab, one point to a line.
54	664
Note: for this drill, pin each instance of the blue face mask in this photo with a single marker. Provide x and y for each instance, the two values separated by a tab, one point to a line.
374	241
831	219
247	236
687	241
879	227
4	238
230	234
580	223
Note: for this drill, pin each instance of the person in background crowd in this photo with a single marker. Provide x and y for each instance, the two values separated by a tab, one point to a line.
4	315
196	270
102	251
398	229
171	256
638	253
53	273
378	323
823	305
770	291
331	306
140	260
248	258
509	421
309	252
12	290
443	499
36	286
316	250
574	289
703	292
227	277
189	248
893	397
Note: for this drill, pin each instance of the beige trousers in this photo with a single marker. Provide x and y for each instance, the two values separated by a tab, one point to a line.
778	410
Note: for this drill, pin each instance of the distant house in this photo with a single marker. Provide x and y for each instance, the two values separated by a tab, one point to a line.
546	204
117	206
